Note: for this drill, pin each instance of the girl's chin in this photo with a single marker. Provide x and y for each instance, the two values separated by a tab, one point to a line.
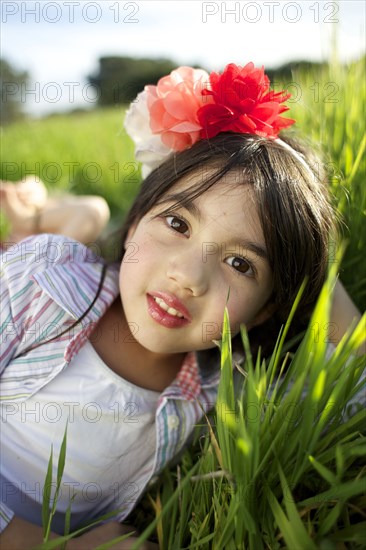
163	348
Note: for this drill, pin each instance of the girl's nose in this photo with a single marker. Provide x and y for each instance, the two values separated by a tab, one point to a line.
189	272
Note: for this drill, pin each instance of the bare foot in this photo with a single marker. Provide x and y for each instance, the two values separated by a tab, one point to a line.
32	192
20	216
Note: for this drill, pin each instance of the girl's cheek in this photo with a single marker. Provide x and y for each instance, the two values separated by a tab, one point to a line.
242	312
138	252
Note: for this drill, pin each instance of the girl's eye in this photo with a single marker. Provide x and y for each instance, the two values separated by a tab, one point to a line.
177	224
241	265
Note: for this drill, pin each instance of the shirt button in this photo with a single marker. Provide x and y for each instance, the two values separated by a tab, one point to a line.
173	422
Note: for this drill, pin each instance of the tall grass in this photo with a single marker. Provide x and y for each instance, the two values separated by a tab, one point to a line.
281	463
329	107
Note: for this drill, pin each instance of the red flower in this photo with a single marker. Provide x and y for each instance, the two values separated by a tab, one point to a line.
242	102
173	105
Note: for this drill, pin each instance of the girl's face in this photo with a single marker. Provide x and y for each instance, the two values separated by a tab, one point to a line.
180	269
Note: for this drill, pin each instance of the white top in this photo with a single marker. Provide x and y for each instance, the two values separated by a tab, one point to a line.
112	423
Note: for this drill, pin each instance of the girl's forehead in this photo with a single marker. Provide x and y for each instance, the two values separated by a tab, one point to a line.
207	173
192	188
232	203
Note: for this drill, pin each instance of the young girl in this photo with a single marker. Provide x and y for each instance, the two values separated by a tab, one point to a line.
124	353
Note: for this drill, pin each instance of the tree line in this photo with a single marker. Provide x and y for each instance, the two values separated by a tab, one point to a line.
117	80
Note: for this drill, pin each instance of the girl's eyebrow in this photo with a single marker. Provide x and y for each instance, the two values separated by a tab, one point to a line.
257	249
190	206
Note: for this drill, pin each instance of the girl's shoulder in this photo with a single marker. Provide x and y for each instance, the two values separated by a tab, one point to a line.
51	261
47	281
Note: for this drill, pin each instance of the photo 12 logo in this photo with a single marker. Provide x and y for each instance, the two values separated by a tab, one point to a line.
270	12
52	172
69	12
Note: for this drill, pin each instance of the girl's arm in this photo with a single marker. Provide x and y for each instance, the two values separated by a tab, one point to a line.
343	313
23	535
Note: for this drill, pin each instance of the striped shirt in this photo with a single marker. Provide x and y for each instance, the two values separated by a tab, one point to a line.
48	282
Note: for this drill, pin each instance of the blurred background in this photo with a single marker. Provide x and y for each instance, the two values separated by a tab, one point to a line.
79	55
70	68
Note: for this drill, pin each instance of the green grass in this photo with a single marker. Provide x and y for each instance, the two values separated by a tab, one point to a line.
293	474
330	110
282	464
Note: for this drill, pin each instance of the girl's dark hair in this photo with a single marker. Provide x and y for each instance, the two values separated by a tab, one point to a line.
293	205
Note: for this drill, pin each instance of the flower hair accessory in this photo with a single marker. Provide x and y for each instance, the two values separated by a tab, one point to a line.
189	105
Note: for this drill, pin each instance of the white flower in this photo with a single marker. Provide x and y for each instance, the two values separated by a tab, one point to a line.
149	149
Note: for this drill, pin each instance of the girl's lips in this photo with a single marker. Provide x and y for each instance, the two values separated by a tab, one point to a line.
172	301
163	317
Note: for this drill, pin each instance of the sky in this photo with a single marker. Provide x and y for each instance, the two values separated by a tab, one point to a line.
59	43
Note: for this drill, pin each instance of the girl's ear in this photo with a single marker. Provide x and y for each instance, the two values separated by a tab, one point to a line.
263	315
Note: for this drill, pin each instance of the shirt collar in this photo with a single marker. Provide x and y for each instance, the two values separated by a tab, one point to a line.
191	380
73	286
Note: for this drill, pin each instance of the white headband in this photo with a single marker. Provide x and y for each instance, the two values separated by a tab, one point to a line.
295	154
